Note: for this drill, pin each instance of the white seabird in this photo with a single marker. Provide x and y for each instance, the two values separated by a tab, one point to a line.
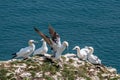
54	42
81	53
42	50
92	58
27	51
61	49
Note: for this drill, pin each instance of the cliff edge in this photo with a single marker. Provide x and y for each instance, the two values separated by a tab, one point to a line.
69	67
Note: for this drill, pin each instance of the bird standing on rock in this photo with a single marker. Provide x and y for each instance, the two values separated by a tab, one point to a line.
27	51
92	58
81	53
60	49
42	50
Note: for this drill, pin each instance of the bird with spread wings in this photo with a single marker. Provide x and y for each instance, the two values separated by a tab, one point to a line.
54	42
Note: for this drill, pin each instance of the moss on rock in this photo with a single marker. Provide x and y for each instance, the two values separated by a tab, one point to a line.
51	69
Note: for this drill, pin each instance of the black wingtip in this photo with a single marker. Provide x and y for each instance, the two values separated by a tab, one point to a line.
50	27
36	29
14	54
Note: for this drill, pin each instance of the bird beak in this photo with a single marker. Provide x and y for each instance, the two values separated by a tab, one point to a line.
86	47
36	42
74	49
41	40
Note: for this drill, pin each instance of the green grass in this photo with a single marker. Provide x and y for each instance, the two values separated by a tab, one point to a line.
116	78
64	58
33	73
26	78
48	67
68	71
71	60
48	78
68	74
3	74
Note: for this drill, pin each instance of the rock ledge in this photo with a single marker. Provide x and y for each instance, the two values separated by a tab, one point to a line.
69	67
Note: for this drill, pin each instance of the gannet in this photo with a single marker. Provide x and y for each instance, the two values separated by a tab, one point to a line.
54	42
42	50
92	58
27	51
60	49
81	53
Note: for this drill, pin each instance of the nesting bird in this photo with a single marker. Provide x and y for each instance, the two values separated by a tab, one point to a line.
81	53
27	51
92	58
42	50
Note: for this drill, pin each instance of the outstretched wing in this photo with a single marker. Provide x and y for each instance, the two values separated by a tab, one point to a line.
45	37
54	35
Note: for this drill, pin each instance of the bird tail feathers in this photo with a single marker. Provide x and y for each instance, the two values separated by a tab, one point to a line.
14	55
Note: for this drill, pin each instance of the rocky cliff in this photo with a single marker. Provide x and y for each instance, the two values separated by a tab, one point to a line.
69	67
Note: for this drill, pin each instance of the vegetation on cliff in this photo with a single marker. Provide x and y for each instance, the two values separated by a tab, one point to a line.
47	68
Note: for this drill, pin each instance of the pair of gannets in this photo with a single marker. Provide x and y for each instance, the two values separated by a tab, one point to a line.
27	51
87	54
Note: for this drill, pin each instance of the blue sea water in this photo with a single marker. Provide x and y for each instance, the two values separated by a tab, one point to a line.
81	22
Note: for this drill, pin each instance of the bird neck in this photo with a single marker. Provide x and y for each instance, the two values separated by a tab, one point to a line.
44	44
91	51
59	42
78	51
32	45
63	47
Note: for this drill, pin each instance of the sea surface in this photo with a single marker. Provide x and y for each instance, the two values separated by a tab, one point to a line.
80	22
